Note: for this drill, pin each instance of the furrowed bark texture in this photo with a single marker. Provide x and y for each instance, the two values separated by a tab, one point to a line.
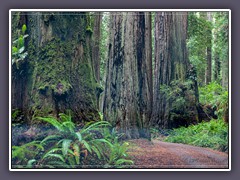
127	99
96	44
209	52
171	64
96	37
61	71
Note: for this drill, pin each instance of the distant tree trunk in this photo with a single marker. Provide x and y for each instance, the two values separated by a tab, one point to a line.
217	64
209	51
60	73
127	100
217	67
172	65
96	52
225	75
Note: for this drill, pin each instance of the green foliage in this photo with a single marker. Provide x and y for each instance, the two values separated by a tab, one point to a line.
15	114
25	154
73	147
18	47
67	144
221	44
216	96
181	97
117	154
202	34
199	38
213	134
154	132
221	28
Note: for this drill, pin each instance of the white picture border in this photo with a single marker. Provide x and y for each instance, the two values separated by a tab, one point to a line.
117	10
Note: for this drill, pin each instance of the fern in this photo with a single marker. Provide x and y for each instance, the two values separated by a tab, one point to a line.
54	122
26	151
65	146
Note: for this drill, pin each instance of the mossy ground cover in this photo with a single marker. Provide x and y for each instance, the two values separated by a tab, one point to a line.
213	134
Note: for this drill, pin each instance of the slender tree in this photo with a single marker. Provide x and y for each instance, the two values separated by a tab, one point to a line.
96	59
127	101
209	50
96	44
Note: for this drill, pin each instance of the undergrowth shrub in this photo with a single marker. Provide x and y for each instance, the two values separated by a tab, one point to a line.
18	48
95	145
117	154
212	134
180	98
24	156
216	96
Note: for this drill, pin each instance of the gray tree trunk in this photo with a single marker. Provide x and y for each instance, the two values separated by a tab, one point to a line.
96	60
127	101
209	52
172	65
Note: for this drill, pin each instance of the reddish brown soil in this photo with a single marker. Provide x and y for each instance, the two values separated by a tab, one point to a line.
158	154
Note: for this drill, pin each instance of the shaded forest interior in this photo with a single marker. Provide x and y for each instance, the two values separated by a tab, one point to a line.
138	72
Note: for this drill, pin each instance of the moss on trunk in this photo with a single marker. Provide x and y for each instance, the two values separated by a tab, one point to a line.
60	66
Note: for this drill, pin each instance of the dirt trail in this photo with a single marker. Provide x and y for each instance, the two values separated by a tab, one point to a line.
158	154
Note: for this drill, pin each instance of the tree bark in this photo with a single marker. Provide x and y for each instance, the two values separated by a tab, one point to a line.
217	68
127	97
225	75
172	65
19	76
209	52
61	71
96	44
96	60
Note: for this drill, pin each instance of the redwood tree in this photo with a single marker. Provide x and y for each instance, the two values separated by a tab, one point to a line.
59	73
172	69
128	89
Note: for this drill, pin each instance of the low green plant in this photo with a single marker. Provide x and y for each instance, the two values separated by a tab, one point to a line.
216	96
24	155
154	133
69	146
117	154
212	134
96	144
15	113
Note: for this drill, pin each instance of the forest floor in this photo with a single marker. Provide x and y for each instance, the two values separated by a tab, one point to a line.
158	154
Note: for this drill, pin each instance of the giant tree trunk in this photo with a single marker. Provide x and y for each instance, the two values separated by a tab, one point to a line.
60	72
171	70
128	97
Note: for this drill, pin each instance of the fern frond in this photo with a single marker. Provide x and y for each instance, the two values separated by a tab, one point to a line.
54	122
58	156
79	136
76	153
124	161
50	138
30	163
65	146
88	147
93	126
97	152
